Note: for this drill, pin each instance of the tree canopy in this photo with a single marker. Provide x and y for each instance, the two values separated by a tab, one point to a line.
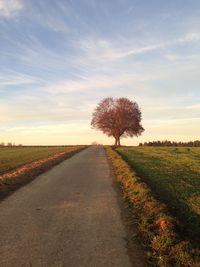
118	117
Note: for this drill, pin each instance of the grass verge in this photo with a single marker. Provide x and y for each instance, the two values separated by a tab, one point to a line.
164	247
11	182
173	174
14	157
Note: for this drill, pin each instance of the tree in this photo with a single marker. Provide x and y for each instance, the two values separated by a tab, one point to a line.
118	117
2	144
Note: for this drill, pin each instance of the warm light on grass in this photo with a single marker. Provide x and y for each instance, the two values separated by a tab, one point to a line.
165	247
13	157
20	165
173	173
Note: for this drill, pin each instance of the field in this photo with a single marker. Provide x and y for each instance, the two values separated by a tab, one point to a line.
13	157
173	174
20	165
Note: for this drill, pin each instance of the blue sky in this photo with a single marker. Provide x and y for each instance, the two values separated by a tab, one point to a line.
60	58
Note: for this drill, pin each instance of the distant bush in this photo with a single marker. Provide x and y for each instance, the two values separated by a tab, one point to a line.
195	143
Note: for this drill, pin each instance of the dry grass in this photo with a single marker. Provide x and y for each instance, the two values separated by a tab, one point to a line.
173	174
13	157
157	227
24	173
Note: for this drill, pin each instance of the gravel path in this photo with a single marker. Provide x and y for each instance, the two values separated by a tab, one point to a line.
68	216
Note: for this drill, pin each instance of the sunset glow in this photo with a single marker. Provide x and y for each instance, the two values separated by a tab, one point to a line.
60	58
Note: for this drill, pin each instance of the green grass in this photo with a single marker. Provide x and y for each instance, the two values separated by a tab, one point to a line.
165	247
173	174
13	157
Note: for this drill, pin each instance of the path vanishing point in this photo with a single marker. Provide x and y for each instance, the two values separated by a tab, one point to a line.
69	216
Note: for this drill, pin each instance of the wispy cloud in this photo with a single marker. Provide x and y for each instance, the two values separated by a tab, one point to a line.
9	8
15	79
58	60
105	50
98	83
194	107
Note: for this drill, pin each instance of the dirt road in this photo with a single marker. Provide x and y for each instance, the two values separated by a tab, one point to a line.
68	216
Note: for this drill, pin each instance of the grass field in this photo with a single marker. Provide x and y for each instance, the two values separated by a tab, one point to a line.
13	157
173	174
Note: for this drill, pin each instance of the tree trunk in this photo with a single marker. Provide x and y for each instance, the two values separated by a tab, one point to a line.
115	141
118	142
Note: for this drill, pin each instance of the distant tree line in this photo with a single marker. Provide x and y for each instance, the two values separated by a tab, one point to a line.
2	144
195	143
9	144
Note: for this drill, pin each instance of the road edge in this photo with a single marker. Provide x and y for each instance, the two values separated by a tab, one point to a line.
9	186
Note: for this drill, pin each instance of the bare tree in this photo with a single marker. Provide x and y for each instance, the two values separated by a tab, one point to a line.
118	117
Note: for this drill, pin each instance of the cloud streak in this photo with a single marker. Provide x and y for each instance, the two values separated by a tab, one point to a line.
104	50
9	79
10	8
59	60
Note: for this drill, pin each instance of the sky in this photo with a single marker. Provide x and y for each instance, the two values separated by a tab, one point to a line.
59	59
